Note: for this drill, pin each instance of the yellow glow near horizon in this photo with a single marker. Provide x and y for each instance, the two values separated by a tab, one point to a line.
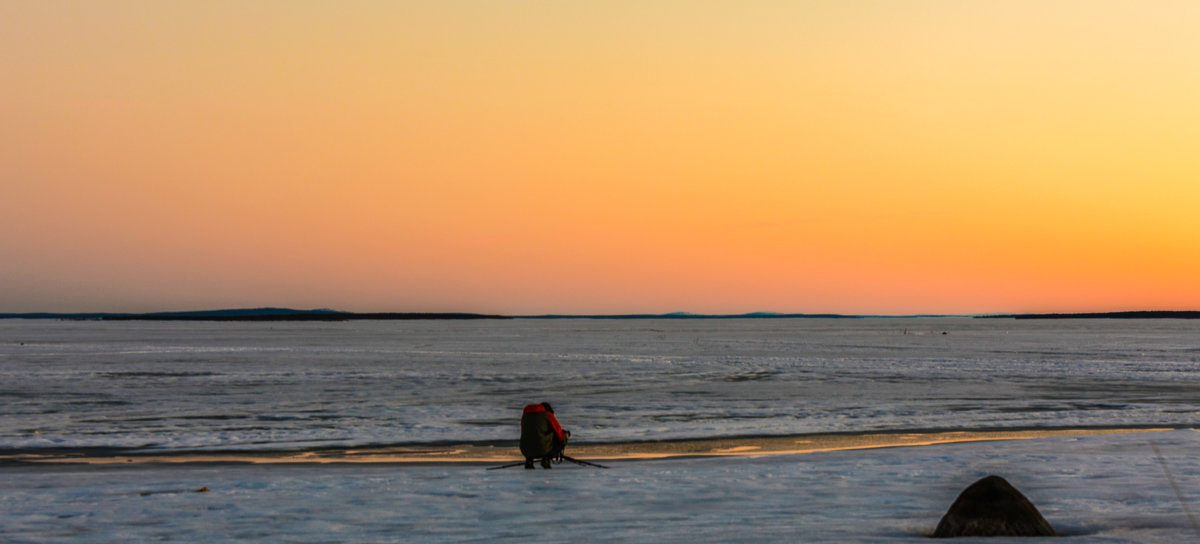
525	157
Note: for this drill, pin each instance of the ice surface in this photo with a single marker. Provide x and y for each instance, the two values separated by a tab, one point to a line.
264	386
270	386
1108	488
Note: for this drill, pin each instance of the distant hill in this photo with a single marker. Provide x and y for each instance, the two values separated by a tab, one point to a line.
242	312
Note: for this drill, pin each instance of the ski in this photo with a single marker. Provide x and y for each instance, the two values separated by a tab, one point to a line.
583	463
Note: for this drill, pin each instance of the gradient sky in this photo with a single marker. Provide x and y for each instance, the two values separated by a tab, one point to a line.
600	157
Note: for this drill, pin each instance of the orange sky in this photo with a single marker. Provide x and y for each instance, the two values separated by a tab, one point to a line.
600	157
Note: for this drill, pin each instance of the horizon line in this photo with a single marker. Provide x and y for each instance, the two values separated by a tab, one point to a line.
280	313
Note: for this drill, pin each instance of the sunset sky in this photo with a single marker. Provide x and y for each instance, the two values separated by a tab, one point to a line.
528	157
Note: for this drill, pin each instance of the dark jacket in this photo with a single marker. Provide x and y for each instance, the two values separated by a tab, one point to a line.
540	432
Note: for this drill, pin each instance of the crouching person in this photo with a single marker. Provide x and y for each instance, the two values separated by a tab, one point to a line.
541	435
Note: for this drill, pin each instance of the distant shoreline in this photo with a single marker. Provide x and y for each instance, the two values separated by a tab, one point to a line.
1153	314
286	314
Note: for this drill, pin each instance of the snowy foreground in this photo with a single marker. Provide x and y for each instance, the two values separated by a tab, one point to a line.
1092	489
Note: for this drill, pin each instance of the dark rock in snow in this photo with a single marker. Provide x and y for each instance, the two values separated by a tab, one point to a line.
992	507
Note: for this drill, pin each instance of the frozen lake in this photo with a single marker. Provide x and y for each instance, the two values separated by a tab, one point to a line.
174	387
265	386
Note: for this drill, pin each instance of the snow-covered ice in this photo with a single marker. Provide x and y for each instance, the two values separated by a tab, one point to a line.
1103	488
